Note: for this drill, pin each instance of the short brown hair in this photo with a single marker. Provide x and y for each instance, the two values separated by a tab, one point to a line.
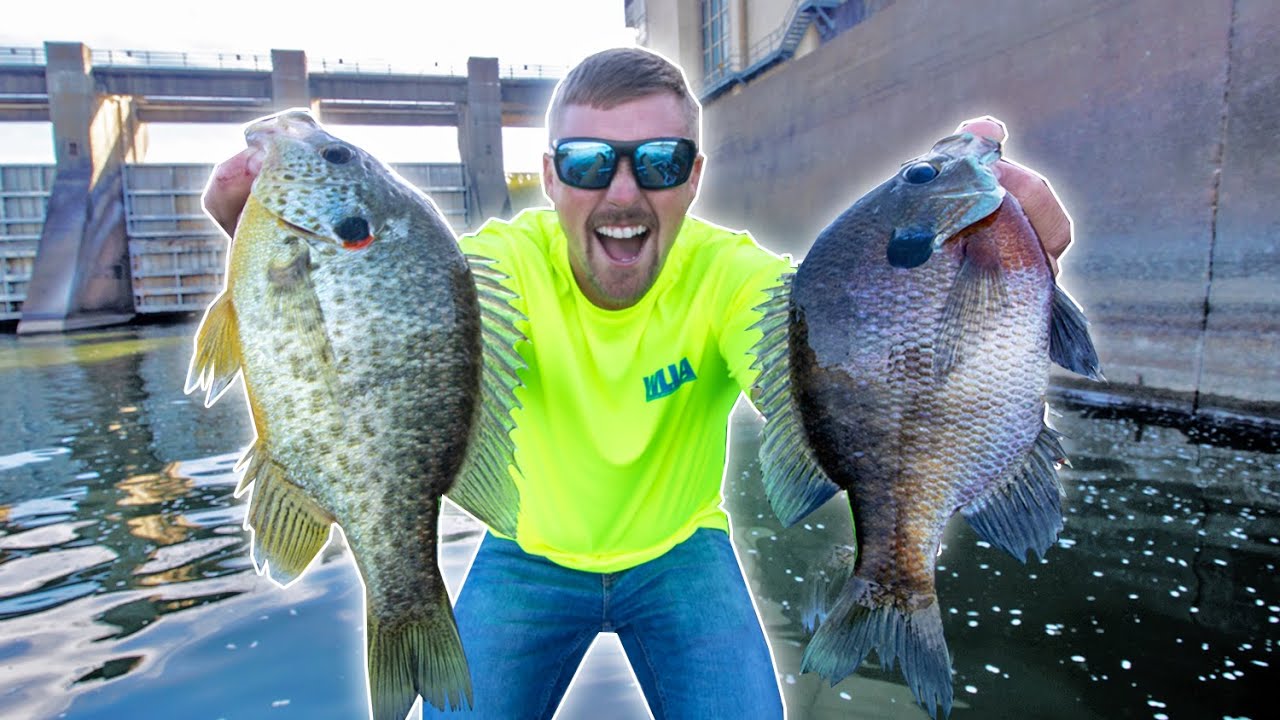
612	77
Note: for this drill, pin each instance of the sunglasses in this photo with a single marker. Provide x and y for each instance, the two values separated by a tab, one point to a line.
657	163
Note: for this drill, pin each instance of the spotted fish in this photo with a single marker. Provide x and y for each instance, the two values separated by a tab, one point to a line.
906	362
378	364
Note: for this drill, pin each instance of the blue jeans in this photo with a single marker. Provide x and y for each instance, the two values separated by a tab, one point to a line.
685	620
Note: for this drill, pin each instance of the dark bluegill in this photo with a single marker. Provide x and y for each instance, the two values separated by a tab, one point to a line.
906	362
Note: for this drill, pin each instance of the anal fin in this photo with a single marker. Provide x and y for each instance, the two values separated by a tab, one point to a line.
794	482
289	528
1024	510
485	486
825	583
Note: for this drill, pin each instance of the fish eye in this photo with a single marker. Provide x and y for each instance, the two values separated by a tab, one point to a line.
920	173
337	154
352	229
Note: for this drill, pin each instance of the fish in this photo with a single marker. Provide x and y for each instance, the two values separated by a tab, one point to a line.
378	365
905	362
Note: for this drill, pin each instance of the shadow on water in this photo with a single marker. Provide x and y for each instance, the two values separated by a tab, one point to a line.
126	588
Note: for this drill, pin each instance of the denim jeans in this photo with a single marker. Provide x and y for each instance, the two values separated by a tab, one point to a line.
685	620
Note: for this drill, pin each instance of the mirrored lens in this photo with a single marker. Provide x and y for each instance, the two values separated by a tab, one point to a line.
662	164
586	164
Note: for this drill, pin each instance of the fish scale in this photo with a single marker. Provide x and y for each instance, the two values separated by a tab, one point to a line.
910	373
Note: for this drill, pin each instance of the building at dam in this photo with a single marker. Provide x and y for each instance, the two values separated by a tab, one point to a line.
1156	122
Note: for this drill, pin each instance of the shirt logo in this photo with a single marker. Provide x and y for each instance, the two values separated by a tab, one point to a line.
667	380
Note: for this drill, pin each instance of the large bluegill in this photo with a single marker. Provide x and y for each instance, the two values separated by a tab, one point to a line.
378	365
906	362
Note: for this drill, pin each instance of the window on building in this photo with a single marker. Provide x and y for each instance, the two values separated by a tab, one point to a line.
715	39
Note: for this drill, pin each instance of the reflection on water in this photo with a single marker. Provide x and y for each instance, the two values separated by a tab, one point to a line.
1160	599
126	588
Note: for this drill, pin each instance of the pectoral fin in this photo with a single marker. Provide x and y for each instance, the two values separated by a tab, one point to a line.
794	482
978	290
485	487
215	360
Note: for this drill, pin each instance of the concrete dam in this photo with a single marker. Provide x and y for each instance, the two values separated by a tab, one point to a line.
100	237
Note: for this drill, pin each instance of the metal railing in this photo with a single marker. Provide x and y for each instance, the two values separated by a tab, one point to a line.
22	56
262	62
532	70
165	59
445	68
383	67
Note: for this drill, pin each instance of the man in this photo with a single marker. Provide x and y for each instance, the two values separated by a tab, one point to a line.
639	320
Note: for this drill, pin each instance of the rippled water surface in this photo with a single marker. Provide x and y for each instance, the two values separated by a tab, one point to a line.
126	588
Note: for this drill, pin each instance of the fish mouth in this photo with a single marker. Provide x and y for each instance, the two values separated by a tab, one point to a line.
314	240
296	123
622	244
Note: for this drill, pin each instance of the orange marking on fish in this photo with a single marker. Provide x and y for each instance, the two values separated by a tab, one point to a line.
358	244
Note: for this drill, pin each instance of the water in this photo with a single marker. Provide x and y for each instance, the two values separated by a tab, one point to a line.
126	588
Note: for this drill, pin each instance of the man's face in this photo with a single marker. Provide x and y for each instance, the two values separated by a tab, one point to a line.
619	236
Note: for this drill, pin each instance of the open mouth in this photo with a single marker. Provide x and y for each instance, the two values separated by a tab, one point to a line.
622	243
316	242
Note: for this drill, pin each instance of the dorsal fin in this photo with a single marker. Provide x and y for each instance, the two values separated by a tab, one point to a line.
485	487
1070	344
794	482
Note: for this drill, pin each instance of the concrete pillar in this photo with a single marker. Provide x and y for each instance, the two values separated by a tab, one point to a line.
81	273
290	87
675	31
480	143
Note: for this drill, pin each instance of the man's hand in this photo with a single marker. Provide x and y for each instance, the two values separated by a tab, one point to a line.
228	188
1040	203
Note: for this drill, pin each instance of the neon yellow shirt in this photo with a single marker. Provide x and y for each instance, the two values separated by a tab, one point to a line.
622	435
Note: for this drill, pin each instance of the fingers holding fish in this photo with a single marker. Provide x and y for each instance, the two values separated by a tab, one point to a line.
228	189
985	126
1040	203
1042	207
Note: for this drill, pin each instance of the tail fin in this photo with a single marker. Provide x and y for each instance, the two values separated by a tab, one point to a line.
422	656
856	625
